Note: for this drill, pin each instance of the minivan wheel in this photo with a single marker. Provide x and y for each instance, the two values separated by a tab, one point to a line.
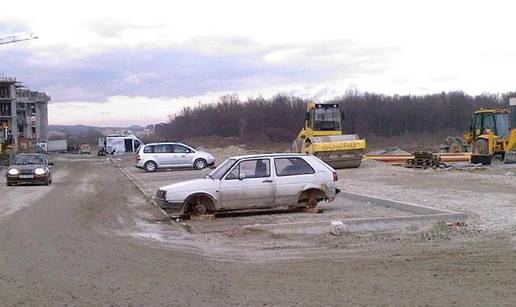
151	166
200	164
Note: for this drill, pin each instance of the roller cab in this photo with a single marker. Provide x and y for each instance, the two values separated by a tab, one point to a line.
322	136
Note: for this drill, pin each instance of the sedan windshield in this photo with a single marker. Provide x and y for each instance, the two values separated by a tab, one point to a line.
28	159
222	169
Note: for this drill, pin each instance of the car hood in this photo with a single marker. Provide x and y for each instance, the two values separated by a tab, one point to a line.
191	185
25	167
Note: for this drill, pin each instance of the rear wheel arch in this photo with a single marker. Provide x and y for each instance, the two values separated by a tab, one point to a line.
312	193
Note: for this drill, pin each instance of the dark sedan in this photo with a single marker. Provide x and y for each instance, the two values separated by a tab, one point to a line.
29	168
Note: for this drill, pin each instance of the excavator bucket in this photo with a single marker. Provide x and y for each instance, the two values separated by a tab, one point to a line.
510	153
339	151
509	157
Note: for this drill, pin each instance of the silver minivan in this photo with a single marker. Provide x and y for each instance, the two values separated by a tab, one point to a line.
153	156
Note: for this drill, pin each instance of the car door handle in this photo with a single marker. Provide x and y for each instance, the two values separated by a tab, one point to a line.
183	156
267	180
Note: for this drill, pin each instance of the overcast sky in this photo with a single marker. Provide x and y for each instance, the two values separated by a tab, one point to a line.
136	62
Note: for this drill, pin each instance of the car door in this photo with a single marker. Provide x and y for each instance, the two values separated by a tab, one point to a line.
163	155
249	184
292	175
183	156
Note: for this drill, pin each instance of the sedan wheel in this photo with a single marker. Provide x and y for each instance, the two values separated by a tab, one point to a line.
200	164
312	203
199	209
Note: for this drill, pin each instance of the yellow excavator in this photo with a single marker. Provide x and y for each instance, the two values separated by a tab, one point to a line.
490	135
6	147
3	139
322	136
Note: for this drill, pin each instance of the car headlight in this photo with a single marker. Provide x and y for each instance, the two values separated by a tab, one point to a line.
39	171
161	194
14	172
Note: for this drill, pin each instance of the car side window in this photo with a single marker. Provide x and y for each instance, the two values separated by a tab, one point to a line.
180	149
233	174
258	168
163	148
148	149
292	166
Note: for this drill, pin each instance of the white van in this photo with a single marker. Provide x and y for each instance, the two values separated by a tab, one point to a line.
115	144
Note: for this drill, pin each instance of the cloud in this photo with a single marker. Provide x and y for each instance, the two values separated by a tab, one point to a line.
191	69
111	28
10	26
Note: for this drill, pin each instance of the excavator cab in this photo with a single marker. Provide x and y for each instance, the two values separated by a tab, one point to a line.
496	121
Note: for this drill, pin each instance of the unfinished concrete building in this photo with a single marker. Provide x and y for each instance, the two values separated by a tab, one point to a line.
23	115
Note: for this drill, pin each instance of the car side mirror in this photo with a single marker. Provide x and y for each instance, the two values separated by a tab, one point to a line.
50	163
241	176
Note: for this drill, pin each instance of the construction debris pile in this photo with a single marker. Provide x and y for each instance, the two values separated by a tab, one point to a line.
423	159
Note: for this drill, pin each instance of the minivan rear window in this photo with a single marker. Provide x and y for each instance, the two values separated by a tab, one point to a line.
148	149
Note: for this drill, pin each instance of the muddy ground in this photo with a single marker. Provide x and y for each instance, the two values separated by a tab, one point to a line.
91	238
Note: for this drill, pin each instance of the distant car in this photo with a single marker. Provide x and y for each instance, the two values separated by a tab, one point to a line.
254	181
151	157
29	168
85	149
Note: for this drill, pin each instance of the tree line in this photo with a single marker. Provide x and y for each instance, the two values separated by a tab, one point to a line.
280	118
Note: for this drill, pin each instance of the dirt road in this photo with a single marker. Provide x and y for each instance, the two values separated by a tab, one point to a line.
67	244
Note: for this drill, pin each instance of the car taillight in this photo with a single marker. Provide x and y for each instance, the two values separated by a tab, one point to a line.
335	176
138	157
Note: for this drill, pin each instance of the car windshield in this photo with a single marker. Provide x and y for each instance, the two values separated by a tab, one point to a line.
28	159
222	169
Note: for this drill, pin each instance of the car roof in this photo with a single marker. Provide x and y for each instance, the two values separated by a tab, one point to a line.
29	154
269	155
158	143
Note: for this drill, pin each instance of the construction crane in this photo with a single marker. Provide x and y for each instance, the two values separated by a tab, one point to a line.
17	38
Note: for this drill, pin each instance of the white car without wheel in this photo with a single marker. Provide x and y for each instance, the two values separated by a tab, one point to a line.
251	182
151	157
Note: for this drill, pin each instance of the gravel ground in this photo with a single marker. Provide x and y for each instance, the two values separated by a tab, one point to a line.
90	239
487	195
